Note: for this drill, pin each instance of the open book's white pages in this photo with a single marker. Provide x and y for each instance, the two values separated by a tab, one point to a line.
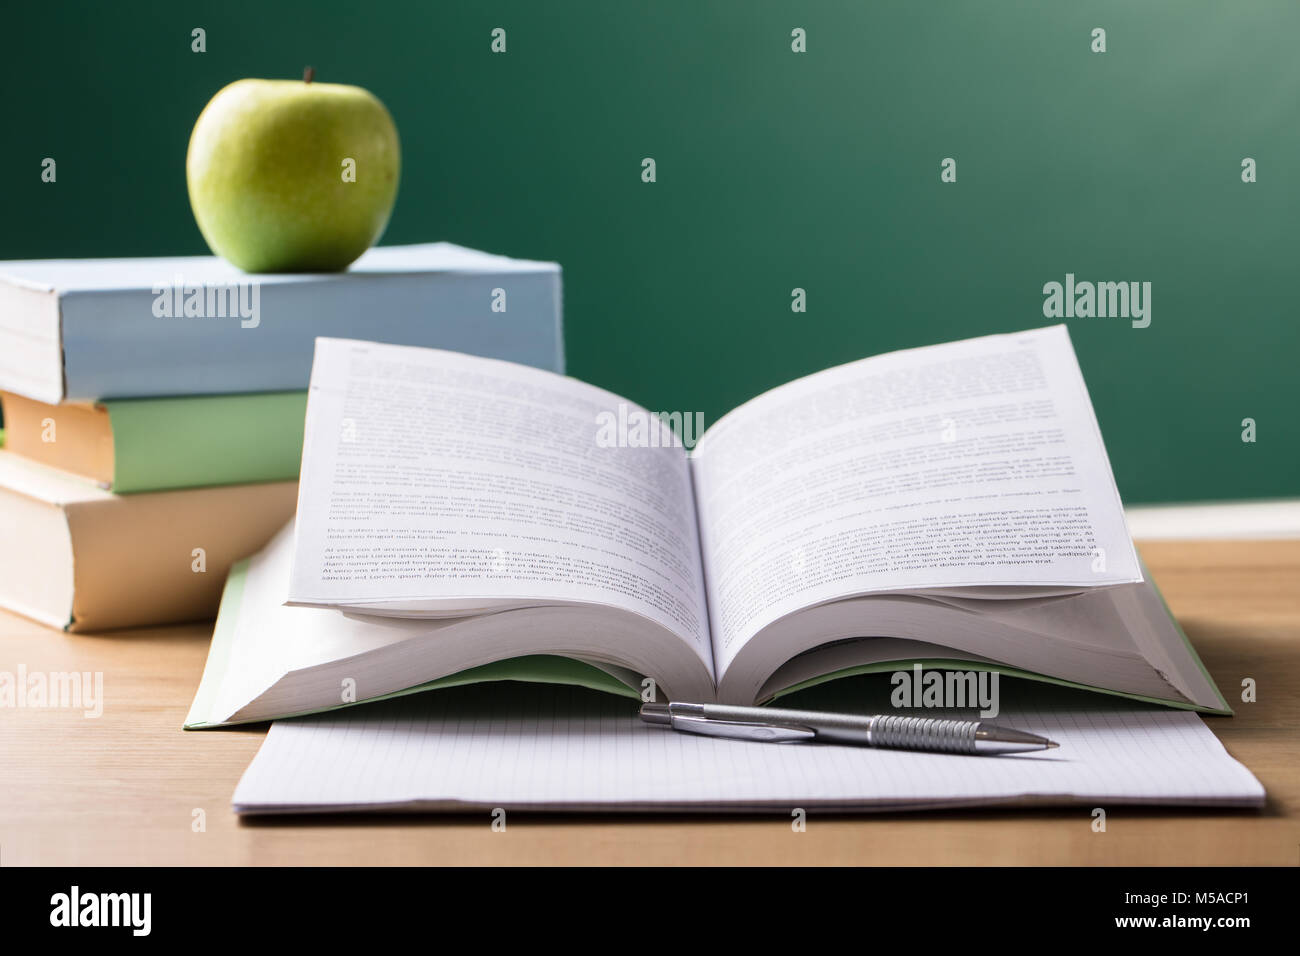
519	746
973	463
432	475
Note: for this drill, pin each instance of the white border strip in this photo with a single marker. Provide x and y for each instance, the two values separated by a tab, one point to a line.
1226	519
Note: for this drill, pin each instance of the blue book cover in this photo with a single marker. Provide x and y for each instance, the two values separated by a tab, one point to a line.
91	329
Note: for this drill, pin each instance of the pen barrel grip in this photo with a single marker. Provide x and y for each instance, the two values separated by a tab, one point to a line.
925	733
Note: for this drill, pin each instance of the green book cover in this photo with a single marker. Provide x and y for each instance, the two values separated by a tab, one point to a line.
167	443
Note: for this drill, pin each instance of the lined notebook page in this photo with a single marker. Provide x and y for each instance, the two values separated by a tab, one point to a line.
544	747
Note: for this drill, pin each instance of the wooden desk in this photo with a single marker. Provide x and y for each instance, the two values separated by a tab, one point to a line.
121	789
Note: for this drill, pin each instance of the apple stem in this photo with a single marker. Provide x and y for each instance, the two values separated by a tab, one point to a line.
308	74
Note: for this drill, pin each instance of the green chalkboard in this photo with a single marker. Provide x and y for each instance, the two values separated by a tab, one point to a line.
774	170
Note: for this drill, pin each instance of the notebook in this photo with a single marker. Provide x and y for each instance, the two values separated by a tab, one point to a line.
534	747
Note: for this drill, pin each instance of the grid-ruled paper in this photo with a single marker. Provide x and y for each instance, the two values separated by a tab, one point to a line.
539	747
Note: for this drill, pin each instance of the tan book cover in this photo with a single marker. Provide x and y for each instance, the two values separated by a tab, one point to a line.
75	556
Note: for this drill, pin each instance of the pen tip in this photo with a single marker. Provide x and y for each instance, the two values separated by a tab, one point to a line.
1051	745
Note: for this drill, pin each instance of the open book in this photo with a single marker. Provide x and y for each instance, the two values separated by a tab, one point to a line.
462	518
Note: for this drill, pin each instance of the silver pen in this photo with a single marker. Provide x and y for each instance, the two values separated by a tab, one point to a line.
772	725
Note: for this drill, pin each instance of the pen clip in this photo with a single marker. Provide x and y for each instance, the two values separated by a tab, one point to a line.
740	730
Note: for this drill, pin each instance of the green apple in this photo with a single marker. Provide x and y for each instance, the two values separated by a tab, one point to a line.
291	175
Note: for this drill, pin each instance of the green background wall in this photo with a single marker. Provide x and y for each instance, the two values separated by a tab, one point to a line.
775	170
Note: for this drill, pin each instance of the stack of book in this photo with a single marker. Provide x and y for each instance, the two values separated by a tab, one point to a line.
153	408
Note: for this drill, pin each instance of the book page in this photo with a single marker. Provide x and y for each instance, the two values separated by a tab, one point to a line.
431	475
968	464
